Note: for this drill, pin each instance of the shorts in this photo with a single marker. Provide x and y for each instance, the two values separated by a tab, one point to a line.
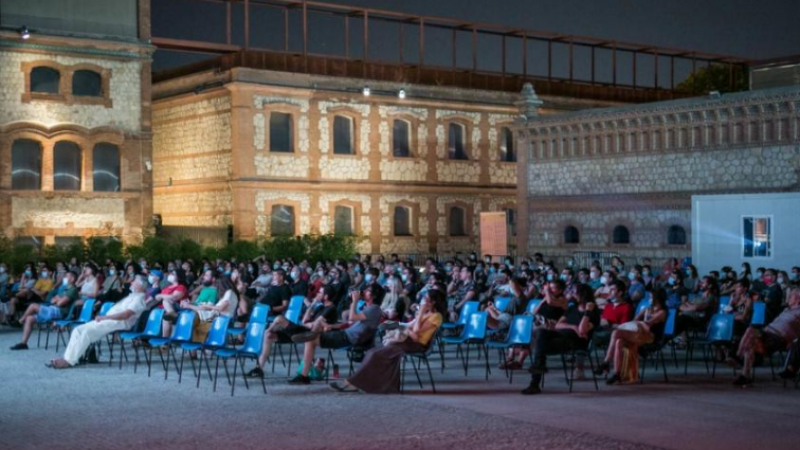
285	334
48	313
334	339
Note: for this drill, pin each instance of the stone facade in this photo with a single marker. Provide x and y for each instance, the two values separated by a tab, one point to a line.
118	116
638	167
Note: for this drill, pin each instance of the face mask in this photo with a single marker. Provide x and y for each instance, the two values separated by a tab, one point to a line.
593	275
357	269
492	270
28	273
570	263
780	280
321	273
562	277
44	274
151	279
488	260
369	277
295	276
646	273
112	272
404	277
2	270
767	279
524	268
603	280
276	266
206	268
65	282
672	281
688	272
549	277
631	276
390	282
227	273
171	279
448	269
473	257
250	269
479	268
760	274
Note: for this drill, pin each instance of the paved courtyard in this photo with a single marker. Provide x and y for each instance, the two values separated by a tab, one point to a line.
99	406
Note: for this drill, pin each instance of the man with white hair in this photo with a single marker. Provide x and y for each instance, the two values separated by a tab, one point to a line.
123	316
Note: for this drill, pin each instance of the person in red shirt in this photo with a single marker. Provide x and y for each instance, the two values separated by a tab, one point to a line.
175	291
616	312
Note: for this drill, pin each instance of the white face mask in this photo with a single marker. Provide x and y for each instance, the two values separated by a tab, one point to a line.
780	280
65	282
603	280
151	279
171	279
44	274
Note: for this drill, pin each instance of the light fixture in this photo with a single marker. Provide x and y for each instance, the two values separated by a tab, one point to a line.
401	93
24	32
366	91
714	94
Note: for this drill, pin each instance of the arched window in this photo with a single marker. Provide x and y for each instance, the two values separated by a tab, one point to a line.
343	220
676	235
621	235
457	219
66	166
507	153
87	83
455	142
401	139
282	220
343	133
280	133
26	165
572	235
105	167
402	221
45	80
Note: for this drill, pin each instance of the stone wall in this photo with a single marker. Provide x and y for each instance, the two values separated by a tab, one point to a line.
125	92
198	209
90	213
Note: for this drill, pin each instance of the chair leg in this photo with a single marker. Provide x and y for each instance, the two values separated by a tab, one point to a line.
402	375
244	374
430	374
216	374
180	370
663	364
289	368
591	365
466	363
200	372
486	359
235	367
416	372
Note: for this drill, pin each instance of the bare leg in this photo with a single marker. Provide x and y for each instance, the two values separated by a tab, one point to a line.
308	355
27	328
269	338
169	307
12	307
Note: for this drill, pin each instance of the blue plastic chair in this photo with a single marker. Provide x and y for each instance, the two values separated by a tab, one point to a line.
640	307
48	326
251	349
466	311
724	301
295	309
504	304
215	340
474	333
720	332
67	324
519	335
423	356
532	305
182	333
360	306
260	314
759	314
657	348
152	329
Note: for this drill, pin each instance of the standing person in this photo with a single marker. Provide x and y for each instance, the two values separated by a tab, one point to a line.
121	316
42	313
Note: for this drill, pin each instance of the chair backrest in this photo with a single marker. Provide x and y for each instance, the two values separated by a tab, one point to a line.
105	308
153	326
86	311
253	341
669	327
759	314
295	308
183	329
720	328
475	326
533	304
519	333
724	301
468	309
260	313
218	332
360	305
503	303
640	307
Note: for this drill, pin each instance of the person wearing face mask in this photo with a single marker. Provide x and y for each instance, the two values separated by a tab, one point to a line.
278	294
207	293
616	312
728	284
636	290
31	291
121	316
595	281
676	292
771	294
299	285
87	284
648	278
795	281
568	277
692	279
696	311
153	286
174	292
603	293
782	279
112	287
45	313
463	289
395	302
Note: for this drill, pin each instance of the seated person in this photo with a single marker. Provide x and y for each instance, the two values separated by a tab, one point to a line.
771	294
741	306
395	302
122	316
299	285
636	290
153	287
462	288
206	295
603	293
112	287
380	371
497	319
226	303
360	332
321	311
43	313
278	294
572	332
696	311
30	291
778	335
616	312
87	284
647	327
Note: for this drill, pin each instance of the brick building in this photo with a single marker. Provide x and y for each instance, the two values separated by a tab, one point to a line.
74	120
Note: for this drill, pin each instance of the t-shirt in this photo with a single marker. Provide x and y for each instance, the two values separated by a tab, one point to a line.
43	284
89	287
174	289
300	288
617	313
573	316
276	295
786	325
71	293
464	289
426	336
329	313
636	288
133	302
363	331
207	295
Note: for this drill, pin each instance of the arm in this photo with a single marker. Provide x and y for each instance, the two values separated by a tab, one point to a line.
420	327
124	315
470	296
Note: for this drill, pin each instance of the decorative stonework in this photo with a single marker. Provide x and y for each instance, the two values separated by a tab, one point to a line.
259	130
344	168
441	209
458	171
421	149
363	125
204	209
278	165
198	127
441	133
260	120
325	223
503	173
214	165
59	212
387	215
125	94
301	217
404	170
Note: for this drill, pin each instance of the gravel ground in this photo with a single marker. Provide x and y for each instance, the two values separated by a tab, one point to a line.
98	406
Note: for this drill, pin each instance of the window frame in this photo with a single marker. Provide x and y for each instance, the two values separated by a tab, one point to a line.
41	163
411	214
66	94
295	219
86	70
464	221
354	142
564	235
352	220
770	236
410	138
501	142
81	165
465	141
669	236
94	165
614	233
292	131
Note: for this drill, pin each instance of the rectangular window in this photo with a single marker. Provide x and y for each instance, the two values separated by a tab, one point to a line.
401	139
343	136
280	132
26	165
757	237
455	142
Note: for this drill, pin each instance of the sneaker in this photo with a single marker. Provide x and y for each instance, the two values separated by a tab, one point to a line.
20	346
532	389
602	369
256	373
300	380
743	381
614	379
787	374
300	338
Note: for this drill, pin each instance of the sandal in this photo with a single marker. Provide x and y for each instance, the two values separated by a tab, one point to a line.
58	364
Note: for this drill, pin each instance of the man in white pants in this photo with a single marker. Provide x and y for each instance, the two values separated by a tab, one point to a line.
122	316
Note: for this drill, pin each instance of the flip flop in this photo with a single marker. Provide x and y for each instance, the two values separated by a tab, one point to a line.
56	364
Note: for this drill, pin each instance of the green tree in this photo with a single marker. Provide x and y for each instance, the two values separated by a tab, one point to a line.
716	77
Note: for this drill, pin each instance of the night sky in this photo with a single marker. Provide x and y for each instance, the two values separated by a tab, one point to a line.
746	28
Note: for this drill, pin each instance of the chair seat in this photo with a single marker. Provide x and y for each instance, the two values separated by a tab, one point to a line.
453	340
128	335
449	325
160	341
494	344
191	346
236	331
227	353
63	323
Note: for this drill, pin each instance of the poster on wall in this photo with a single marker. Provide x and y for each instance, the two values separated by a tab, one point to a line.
494	234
